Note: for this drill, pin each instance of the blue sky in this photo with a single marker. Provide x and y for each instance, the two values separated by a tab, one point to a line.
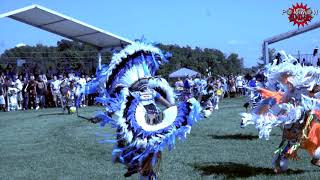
231	26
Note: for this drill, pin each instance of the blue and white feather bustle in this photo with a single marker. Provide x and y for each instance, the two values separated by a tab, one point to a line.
126	114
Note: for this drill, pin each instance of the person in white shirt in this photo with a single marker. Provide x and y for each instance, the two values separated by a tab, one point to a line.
44	78
19	85
13	99
239	84
2	93
81	83
55	90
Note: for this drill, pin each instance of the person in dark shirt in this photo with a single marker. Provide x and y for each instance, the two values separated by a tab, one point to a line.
278	59
32	92
41	92
260	76
25	95
247	77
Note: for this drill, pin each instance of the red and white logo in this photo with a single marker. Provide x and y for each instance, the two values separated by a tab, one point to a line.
300	14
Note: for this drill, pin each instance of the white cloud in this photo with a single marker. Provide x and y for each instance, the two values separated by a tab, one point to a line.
236	42
20	45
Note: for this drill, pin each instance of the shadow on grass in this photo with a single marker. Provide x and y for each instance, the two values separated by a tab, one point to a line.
234	170
52	114
234	136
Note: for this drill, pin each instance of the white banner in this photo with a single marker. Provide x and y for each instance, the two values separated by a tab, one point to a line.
20	62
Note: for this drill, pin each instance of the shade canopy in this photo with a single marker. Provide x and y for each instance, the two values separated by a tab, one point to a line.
183	72
65	26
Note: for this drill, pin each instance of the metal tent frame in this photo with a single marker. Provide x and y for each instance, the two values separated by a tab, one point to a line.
284	36
65	26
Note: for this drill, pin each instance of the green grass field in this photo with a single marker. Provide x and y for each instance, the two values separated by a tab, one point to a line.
47	145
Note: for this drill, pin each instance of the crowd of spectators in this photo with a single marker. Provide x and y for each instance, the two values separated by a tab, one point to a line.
32	87
218	87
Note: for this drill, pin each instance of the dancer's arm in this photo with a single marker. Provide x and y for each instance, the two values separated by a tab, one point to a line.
162	100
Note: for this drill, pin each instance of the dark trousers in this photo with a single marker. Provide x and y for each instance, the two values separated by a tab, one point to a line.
42	101
32	102
25	102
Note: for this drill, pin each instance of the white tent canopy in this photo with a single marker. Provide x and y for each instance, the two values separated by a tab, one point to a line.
65	26
183	72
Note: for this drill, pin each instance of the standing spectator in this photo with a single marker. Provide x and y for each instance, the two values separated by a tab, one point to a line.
55	90
13	99
64	87
44	77
224	86
197	86
179	85
247	77
82	83
19	85
2	77
218	94
68	92
41	92
239	84
7	84
188	87
232	85
210	91
315	57
188	83
25	95
32	92
2	100
277	59
304	62
179	89
89	98
260	78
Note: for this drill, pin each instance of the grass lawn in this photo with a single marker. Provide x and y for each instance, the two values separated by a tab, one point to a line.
47	145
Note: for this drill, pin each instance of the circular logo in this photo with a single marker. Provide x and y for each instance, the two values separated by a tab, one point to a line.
300	14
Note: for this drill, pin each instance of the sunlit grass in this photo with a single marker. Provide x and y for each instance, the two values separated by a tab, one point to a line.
46	145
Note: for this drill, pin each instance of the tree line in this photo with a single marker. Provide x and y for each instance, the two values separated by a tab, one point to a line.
70	52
